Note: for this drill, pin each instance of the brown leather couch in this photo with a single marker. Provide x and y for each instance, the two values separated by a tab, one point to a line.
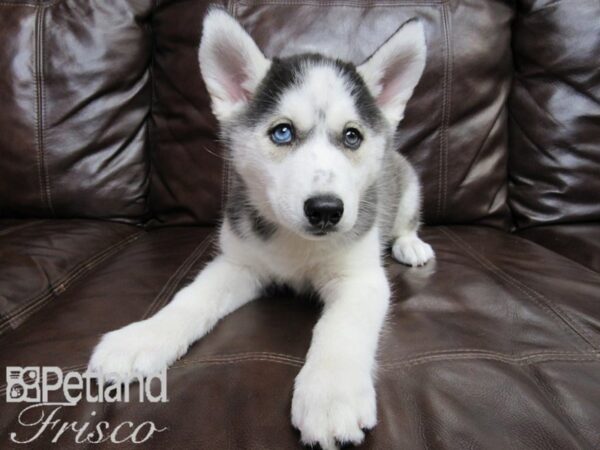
111	183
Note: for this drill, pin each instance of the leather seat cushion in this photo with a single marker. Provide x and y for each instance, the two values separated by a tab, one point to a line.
39	259
579	242
494	345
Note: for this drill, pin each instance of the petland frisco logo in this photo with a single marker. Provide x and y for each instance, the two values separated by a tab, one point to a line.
35	385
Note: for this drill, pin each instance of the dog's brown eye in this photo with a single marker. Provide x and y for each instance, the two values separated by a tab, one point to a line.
352	138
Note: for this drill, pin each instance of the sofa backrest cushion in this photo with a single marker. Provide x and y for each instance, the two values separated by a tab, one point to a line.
75	96
455	127
104	113
555	113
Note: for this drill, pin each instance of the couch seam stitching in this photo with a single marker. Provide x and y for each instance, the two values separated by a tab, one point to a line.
443	139
209	362
567	323
443	107
224	359
64	283
37	107
532	294
591	340
579	264
446	7
67	277
42	123
589	357
403	363
558	408
491	352
202	247
177	276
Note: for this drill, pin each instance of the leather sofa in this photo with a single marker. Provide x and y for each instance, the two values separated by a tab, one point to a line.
112	181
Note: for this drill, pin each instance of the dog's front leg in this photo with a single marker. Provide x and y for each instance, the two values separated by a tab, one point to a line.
334	396
146	347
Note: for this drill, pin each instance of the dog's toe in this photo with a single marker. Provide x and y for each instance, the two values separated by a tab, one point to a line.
412	251
137	350
332	409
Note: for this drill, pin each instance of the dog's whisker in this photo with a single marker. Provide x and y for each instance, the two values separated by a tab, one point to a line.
217	155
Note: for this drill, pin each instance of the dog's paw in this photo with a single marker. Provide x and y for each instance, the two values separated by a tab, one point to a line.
333	407
141	349
412	251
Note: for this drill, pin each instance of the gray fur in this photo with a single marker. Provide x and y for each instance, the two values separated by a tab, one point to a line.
242	215
396	176
367	211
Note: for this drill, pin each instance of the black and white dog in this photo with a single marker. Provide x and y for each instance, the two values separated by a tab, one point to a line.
318	192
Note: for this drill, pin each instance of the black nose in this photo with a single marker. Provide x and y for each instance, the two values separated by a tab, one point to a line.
323	211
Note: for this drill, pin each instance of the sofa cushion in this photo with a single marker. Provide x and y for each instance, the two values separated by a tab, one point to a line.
495	345
579	242
455	127
40	259
130	284
555	113
75	96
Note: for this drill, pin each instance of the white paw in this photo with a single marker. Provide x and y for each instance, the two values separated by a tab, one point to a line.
412	251
332	407
141	349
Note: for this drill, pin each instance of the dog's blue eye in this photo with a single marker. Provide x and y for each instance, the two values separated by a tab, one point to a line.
282	134
352	138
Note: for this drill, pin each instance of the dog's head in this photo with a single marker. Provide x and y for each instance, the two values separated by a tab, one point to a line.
307	134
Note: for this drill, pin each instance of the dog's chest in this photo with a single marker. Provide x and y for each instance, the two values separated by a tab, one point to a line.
296	263
300	263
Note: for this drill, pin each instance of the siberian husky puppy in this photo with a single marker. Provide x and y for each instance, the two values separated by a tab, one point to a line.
317	193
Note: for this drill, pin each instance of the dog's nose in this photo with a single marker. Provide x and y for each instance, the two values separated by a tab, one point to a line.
323	211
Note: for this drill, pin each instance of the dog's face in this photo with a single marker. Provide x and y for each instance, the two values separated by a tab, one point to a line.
307	134
309	145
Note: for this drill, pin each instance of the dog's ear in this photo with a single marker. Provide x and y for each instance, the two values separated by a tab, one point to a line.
231	63
393	71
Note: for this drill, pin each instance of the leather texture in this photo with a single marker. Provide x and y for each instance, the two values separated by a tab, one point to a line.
495	345
555	113
481	350
39	259
579	242
187	162
75	95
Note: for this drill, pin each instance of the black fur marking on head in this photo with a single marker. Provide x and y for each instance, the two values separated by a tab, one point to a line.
241	213
367	211
364	101
282	75
286	73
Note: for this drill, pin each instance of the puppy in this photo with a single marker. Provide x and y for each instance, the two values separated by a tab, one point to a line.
317	193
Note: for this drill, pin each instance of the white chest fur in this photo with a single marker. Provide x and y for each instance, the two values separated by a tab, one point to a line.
299	262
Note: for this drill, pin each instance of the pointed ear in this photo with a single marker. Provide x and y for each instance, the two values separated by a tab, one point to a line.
231	63
393	71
